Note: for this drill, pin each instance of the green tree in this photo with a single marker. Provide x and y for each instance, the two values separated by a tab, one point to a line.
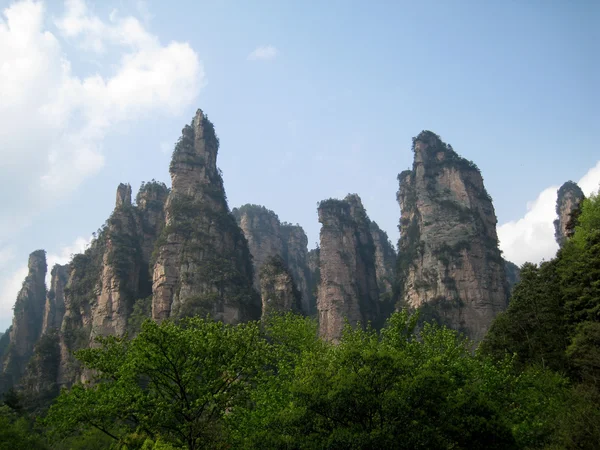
173	382
397	389
534	326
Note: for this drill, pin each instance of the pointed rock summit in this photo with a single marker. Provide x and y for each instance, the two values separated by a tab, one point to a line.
203	265
569	197
449	264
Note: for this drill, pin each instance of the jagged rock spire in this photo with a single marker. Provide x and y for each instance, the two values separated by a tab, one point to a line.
203	264
569	197
28	318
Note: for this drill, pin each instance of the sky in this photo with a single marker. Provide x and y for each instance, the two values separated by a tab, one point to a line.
310	100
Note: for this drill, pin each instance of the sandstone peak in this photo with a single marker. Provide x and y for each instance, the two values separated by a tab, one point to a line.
449	263
569	197
195	156
37	262
203	265
123	195
27	320
348	287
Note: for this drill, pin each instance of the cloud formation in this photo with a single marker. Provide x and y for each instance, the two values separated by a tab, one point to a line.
53	121
263	53
531	238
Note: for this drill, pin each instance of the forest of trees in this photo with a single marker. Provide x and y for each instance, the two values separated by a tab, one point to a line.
533	383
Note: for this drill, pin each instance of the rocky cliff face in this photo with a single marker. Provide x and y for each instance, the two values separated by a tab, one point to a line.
112	275
262	230
385	266
203	265
348	287
27	321
569	198
119	280
314	274
277	288
54	310
268	237
295	255
449	264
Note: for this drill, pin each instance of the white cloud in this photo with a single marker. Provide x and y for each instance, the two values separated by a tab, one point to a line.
263	53
8	294
531	238
54	121
65	254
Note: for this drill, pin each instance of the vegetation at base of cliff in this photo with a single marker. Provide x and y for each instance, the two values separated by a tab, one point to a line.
142	310
553	318
199	384
39	386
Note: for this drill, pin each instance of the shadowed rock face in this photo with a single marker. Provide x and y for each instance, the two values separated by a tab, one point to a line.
54	309
385	267
268	237
203	265
277	288
295	255
27	320
449	264
105	281
568	200
348	281
262	230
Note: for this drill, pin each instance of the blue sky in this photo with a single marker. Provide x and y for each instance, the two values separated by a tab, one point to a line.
327	106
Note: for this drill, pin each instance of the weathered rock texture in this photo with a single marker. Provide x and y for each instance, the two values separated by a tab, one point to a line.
295	255
54	309
314	274
268	237
262	230
449	264
120	268
203	265
569	198
27	320
277	288
385	264
106	281
348	281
